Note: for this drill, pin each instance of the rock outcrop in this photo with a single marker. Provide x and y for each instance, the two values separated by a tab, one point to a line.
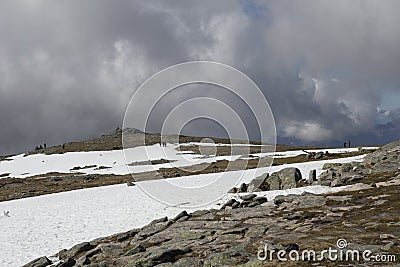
284	179
385	160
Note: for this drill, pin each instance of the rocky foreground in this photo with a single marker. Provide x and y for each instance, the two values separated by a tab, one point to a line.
366	214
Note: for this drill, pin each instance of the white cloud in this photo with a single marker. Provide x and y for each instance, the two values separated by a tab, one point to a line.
307	132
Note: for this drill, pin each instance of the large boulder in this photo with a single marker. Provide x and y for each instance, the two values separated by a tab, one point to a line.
273	181
289	177
312	177
284	179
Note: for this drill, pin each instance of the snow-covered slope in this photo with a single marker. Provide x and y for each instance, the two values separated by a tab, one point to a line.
23	166
45	224
114	162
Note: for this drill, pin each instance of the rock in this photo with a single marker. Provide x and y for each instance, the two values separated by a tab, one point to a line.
273	182
121	236
389	246
67	263
312	176
151	229
229	203
166	264
161	220
135	250
235	205
248	197
284	179
387	236
93	252
40	262
110	250
305	201
279	200
354	178
289	177
328	166
319	155
326	176
242	188
260	200
130	183
75	250
345	198
222	259
346	167
84	260
244	203
180	215
336	182
233	190
234	231
324	183
257	231
372	225
253	204
293	216
162	255
188	261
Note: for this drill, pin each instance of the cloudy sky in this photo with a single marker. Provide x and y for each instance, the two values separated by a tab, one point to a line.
329	69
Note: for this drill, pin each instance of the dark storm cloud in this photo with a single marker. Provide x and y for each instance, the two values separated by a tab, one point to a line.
68	68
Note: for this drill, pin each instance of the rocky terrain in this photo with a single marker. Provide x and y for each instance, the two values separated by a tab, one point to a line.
16	188
243	230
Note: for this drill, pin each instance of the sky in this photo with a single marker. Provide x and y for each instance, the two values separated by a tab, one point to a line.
329	69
